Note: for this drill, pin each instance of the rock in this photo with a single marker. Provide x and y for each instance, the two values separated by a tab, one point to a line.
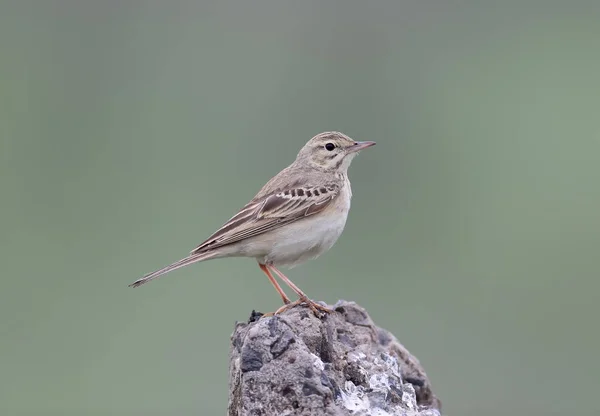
342	364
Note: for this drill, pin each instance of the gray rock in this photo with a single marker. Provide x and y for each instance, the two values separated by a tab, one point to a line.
341	364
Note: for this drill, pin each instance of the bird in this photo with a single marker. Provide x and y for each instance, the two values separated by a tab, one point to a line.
297	215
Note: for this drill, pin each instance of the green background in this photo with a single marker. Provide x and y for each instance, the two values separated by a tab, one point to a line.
131	130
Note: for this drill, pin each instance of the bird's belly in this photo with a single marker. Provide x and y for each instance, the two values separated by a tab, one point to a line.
305	239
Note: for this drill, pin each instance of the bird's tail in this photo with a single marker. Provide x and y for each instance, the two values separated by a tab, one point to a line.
193	258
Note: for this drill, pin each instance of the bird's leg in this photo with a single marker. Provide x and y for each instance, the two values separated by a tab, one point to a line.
314	306
278	288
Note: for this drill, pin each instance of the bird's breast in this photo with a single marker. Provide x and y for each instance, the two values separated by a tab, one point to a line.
306	239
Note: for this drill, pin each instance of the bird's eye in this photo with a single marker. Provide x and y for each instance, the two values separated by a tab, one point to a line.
330	146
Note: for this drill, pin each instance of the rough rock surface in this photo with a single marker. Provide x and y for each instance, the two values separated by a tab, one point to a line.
341	364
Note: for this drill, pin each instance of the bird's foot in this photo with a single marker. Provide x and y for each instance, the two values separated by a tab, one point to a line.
314	306
287	303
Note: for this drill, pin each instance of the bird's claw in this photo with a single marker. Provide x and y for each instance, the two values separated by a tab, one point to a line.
314	306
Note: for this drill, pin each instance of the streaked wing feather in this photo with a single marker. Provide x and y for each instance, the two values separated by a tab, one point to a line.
269	213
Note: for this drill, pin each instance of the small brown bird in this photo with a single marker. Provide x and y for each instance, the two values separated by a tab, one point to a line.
297	216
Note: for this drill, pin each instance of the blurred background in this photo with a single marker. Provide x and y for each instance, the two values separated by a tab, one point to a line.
131	130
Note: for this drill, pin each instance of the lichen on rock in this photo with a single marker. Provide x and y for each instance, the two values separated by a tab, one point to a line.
341	364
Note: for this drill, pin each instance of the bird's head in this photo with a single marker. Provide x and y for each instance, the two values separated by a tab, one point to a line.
331	151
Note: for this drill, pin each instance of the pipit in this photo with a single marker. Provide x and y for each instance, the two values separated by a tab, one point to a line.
297	216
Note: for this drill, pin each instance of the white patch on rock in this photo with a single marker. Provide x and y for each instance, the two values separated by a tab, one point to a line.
356	356
317	362
379	383
354	398
383	376
409	398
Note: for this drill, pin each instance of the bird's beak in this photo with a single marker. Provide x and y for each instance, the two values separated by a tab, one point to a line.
358	146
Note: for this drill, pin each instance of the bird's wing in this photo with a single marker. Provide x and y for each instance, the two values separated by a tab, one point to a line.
270	212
